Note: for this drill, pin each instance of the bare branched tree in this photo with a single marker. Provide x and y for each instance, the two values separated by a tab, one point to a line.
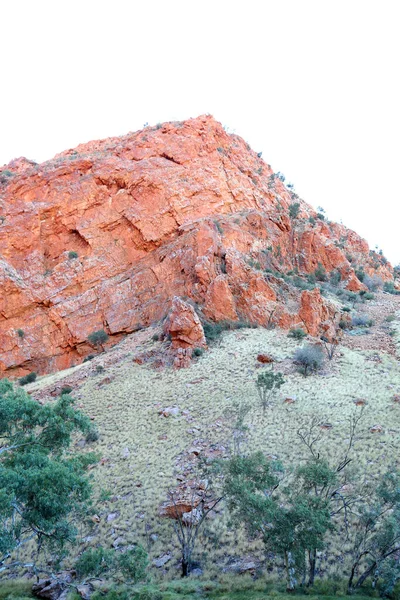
188	523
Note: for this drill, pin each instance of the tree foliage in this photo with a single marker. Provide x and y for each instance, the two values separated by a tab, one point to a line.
129	566
98	338
43	488
289	521
267	383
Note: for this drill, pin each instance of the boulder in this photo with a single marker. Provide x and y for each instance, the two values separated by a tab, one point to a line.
49	589
184	326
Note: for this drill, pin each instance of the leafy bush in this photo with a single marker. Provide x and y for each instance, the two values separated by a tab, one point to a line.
98	338
368	296
309	358
132	564
294	210
360	274
66	389
335	278
352	297
390	318
30	378
88	357
373	283
297	334
72	254
21	333
343	324
92	435
212	330
100	369
320	273
361	321
198	351
388	286
155	337
346	309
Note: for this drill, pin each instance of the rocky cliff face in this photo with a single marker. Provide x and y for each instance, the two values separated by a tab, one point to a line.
106	235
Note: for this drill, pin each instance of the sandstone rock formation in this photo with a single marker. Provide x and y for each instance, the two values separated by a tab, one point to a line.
106	235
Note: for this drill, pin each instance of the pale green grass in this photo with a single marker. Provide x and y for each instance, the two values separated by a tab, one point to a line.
126	413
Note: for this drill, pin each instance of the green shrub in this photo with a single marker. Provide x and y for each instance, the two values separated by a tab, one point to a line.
373	283
66	389
346	309
335	278
98	338
212	330
88	357
297	333
343	324
198	351
155	337
92	435
72	254
30	378
312	221
360	274
309	358
390	318
388	286
361	321
21	333
368	296
294	210
100	369
320	273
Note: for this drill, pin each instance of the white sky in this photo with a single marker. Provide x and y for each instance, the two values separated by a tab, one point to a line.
313	84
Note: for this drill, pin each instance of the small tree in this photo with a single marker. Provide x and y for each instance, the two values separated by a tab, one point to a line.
289	523
43	489
331	344
294	210
236	414
98	338
129	566
326	478
188	524
297	333
267	383
309	358
377	537
373	282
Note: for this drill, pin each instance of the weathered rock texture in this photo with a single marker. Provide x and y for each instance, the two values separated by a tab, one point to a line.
182	209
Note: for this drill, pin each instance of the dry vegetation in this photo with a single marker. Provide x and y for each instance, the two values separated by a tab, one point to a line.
142	451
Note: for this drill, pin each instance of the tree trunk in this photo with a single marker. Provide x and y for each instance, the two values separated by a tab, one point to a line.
350	587
312	559
185	567
365	575
290	580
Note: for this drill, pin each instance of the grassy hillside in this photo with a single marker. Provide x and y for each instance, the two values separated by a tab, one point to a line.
143	452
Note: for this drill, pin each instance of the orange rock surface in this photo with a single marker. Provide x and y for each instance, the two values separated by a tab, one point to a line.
106	235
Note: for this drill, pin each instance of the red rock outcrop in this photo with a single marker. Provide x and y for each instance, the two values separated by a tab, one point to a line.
106	235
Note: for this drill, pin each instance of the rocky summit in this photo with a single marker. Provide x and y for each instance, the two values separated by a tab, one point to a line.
181	220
